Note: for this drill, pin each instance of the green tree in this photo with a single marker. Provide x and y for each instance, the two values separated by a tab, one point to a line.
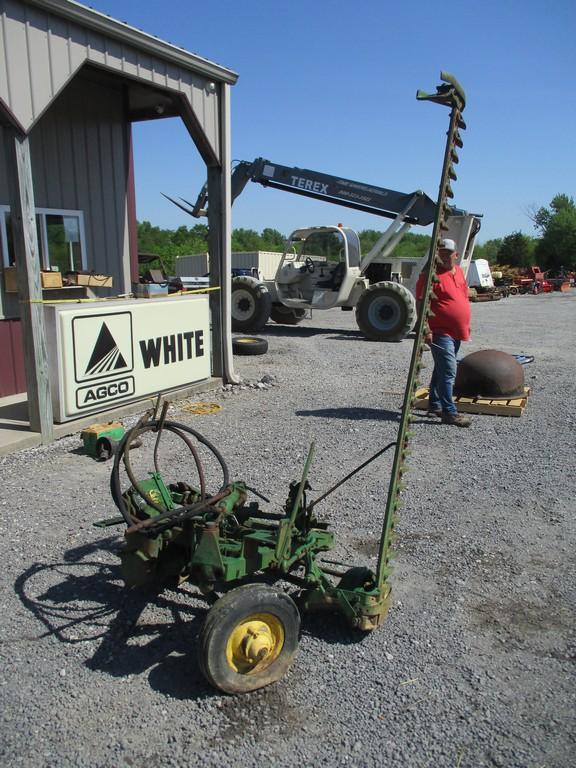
488	250
516	250
246	240
272	240
557	223
412	245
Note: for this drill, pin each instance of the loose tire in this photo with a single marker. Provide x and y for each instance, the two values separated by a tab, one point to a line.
249	345
285	315
249	638
386	312
251	304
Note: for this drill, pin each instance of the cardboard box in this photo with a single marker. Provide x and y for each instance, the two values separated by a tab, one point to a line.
90	279
51	279
47	279
10	280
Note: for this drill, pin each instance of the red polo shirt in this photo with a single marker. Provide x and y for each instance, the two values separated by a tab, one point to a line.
449	304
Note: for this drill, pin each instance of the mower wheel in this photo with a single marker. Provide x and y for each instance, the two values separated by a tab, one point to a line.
249	638
249	345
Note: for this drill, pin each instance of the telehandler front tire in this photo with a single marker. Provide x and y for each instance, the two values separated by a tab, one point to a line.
386	312
251	304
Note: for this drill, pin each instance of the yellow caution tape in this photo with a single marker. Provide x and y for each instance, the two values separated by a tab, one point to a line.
121	297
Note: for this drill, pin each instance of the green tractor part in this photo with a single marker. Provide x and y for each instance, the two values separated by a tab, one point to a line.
101	440
238	554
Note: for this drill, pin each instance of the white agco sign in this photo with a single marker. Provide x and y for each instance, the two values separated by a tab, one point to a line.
106	353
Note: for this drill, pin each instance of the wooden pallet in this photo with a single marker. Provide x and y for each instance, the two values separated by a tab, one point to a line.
512	407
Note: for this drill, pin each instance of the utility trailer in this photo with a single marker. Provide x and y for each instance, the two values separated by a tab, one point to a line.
198	264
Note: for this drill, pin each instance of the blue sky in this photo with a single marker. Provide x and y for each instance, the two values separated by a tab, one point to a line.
330	85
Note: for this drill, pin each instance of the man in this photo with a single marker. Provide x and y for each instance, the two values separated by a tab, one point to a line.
448	326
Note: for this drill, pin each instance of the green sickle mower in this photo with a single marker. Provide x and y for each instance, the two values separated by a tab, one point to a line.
227	546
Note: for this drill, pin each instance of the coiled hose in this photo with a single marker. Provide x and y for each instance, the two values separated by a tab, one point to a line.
182	431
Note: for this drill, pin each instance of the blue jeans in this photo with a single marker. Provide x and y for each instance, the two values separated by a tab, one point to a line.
444	350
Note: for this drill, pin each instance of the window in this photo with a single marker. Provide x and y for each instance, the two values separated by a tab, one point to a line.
60	239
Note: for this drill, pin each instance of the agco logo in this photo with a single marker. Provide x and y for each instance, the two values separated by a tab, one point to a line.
105	392
102	358
106	357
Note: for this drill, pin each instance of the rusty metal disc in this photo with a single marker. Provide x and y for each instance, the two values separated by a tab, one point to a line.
491	374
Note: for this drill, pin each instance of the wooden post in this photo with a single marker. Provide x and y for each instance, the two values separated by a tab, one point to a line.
219	246
27	260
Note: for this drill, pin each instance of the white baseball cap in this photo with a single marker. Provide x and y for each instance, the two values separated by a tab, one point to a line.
447	244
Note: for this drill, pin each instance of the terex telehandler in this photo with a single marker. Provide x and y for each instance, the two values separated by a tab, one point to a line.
322	267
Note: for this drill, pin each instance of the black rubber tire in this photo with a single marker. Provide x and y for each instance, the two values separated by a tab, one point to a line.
251	304
249	345
513	290
250	602
386	312
285	315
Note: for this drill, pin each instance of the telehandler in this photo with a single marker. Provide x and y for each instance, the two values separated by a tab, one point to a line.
323	267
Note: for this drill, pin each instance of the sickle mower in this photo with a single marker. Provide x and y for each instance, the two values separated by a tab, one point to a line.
238	554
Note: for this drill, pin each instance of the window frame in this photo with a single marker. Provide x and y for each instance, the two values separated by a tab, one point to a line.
43	229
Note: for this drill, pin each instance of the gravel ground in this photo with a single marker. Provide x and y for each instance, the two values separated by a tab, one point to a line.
475	664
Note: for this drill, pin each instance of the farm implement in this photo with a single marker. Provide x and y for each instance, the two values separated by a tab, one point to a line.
241	556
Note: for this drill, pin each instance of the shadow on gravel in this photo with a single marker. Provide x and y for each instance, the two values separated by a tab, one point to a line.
299	332
353	414
362	414
81	601
330	628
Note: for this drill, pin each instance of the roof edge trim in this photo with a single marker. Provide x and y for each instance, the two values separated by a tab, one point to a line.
107	25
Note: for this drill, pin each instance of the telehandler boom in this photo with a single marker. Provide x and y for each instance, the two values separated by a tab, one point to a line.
323	268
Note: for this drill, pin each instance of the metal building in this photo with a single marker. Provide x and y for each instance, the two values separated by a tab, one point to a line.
72	82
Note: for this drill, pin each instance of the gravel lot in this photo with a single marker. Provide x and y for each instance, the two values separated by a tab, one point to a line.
475	664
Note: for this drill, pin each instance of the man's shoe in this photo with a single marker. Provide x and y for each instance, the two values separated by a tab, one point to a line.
456	419
434	412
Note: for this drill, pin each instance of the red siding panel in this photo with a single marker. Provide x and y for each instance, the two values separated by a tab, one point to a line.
12	374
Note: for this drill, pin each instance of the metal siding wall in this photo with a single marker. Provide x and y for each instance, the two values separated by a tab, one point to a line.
43	52
79	162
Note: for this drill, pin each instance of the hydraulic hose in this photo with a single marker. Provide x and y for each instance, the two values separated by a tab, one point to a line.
157	425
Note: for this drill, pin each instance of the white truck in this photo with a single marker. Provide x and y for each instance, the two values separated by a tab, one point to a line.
323	267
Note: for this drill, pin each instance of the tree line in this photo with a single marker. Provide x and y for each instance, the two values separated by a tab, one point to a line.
553	248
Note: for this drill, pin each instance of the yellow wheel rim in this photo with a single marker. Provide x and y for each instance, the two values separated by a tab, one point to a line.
255	643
